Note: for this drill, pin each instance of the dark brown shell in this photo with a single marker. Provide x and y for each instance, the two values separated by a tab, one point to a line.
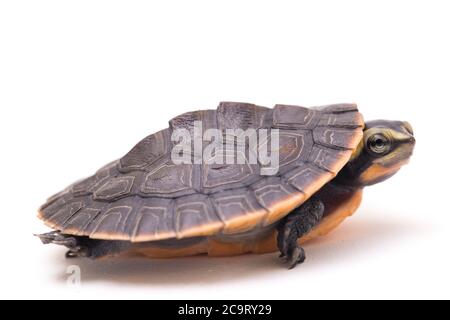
145	197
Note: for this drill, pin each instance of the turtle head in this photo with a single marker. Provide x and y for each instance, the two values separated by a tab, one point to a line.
386	146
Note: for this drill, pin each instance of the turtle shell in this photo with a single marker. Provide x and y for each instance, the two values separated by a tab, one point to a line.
144	196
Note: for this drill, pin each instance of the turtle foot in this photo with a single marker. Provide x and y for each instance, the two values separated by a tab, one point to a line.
294	226
71	242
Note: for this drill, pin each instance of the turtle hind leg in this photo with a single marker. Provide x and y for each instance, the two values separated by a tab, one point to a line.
73	243
294	226
82	246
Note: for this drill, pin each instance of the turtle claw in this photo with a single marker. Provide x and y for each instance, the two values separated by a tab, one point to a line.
297	257
294	257
71	254
77	252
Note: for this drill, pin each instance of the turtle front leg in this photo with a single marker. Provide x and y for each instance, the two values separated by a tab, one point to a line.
294	226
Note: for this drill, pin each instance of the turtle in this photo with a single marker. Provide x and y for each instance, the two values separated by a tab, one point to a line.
148	204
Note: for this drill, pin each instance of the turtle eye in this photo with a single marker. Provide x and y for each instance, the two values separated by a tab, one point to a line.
378	144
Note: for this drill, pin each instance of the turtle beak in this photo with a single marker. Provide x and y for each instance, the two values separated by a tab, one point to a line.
408	127
410	132
404	140
403	134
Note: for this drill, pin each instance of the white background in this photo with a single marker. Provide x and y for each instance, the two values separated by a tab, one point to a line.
82	81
